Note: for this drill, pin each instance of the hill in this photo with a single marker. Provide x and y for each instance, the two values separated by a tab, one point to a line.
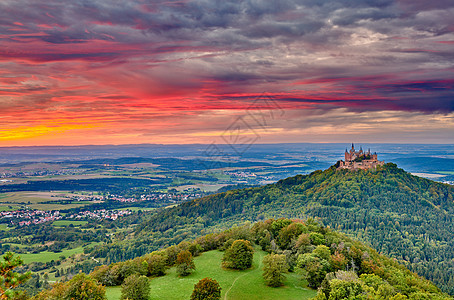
315	261
405	216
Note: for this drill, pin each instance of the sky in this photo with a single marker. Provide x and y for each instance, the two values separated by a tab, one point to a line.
207	71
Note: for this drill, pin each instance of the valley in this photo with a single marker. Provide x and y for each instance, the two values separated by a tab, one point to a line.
65	216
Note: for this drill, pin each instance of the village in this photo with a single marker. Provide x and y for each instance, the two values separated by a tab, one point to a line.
26	217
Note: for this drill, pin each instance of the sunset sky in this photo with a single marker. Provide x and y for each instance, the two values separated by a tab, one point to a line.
125	72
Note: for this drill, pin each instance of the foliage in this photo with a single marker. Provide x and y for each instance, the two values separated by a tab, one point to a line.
206	289
10	279
156	264
404	216
185	263
275	265
135	287
330	261
239	255
81	287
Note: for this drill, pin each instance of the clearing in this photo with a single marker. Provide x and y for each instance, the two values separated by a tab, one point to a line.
248	284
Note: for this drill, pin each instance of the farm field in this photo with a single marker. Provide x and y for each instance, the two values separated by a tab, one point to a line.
248	284
37	200
63	223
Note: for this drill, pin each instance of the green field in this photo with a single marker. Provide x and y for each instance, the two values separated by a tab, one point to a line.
246	284
133	208
47	256
61	223
37	200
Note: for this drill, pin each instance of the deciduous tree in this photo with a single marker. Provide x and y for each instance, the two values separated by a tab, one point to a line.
135	287
239	255
275	265
185	263
206	289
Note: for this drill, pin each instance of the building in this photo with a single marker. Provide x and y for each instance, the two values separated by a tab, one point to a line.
359	160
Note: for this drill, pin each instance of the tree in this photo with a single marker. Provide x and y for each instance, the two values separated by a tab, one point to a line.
314	268
185	263
10	279
239	255
135	287
206	289
341	289
275	265
156	264
83	287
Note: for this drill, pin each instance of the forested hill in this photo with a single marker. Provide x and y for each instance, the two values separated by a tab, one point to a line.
407	217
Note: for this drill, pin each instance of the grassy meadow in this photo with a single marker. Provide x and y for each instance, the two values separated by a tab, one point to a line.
248	284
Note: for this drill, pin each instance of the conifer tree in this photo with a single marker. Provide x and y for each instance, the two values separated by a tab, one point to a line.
10	279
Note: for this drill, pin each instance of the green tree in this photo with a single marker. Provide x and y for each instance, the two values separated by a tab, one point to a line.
156	263
10	279
135	287
185	263
275	265
346	290
314	268
239	255
206	289
83	287
290	233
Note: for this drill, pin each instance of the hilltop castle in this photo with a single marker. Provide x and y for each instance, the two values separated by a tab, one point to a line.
359	160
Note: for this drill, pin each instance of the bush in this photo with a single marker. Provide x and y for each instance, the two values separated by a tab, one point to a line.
239	255
206	289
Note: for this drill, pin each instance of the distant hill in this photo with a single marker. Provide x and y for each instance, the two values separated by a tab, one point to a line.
405	216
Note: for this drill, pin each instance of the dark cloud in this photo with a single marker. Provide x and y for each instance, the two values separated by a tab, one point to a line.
357	55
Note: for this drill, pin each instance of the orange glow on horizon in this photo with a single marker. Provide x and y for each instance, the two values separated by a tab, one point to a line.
49	128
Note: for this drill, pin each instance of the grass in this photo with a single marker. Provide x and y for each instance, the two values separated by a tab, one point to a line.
47	256
60	223
248	284
134	208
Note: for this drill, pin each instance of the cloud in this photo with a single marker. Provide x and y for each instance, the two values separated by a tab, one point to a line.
120	62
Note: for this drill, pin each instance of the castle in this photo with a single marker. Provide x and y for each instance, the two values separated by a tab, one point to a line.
359	160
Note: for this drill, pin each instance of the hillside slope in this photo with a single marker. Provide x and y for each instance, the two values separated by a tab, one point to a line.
407	217
305	259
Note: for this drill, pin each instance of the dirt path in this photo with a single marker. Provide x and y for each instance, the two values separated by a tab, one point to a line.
242	275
